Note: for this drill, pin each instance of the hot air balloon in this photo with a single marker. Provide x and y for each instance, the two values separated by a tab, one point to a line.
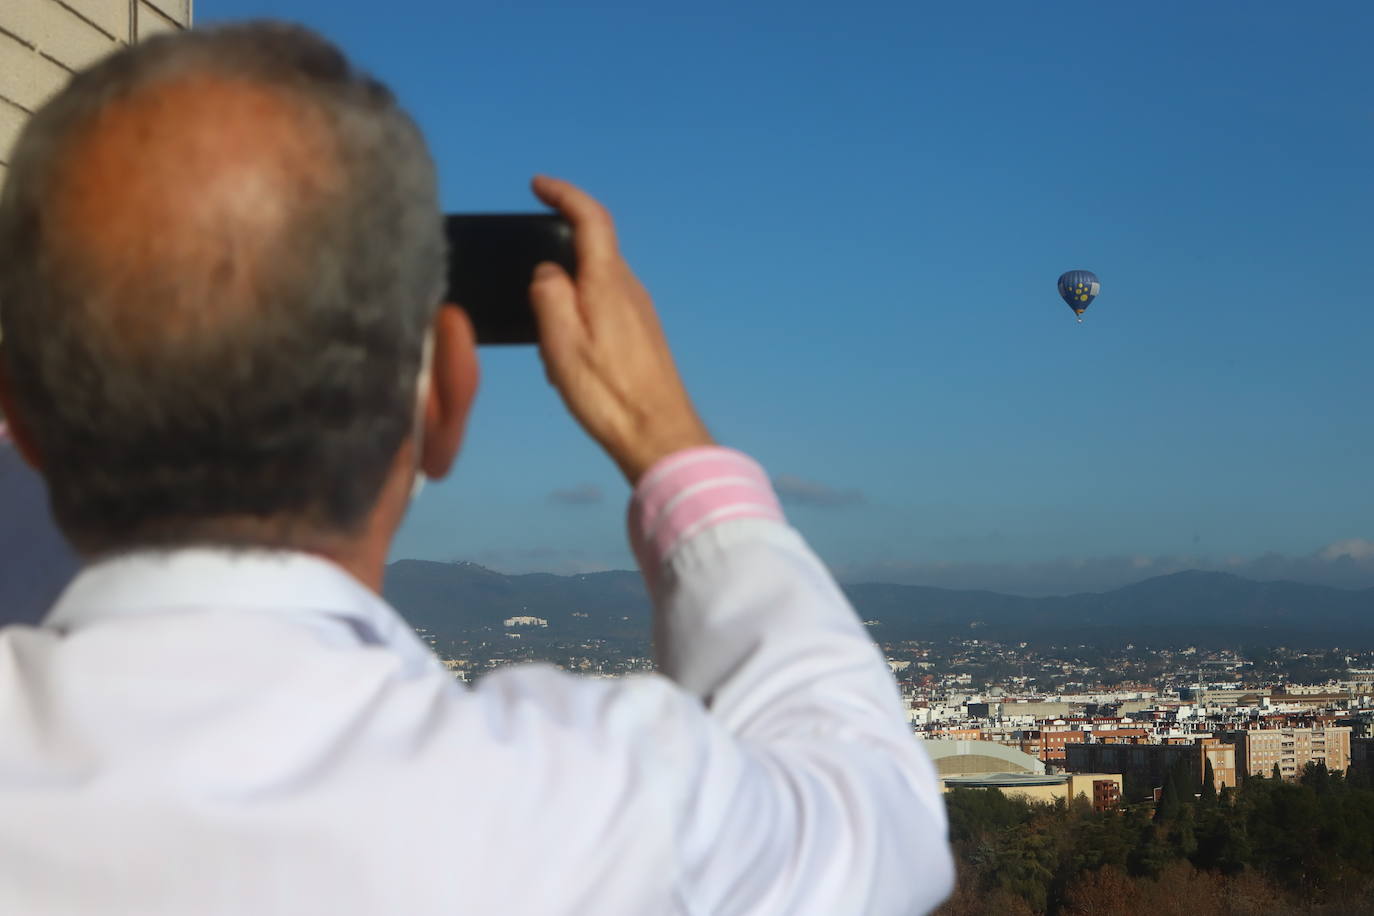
1079	288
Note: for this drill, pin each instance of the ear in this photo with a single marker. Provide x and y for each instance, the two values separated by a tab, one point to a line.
9	416
454	378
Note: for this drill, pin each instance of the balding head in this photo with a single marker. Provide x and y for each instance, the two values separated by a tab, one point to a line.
219	253
201	181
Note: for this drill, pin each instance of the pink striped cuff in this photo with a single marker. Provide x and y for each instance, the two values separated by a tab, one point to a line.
692	490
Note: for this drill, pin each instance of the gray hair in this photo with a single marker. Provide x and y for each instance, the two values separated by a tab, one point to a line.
290	418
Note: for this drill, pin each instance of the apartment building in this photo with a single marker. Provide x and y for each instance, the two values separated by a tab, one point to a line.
1057	735
1260	750
1150	763
1102	790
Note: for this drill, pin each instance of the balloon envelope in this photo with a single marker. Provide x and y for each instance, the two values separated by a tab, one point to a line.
1078	288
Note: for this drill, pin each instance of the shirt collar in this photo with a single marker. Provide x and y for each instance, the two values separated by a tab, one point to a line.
286	583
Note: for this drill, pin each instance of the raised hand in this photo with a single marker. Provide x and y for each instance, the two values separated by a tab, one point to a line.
603	346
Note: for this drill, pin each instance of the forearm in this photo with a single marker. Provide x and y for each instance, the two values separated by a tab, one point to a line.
828	775
747	618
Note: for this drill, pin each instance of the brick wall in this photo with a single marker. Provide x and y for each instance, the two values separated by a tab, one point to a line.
42	42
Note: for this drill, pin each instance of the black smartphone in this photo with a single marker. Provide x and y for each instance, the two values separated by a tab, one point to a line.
491	258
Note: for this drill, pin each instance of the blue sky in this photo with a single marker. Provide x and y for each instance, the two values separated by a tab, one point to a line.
852	218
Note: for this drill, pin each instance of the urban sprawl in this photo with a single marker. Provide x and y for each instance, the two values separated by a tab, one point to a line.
1048	722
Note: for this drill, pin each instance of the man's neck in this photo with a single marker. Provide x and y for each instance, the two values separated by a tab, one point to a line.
365	565
362	552
361	556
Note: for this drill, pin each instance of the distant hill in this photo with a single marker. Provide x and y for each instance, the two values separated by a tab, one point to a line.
456	600
1192	607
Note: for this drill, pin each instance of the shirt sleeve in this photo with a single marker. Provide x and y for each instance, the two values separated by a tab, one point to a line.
810	794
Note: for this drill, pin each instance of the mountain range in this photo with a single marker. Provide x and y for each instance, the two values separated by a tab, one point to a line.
457	601
454	601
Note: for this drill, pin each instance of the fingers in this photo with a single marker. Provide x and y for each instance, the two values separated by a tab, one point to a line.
593	229
603	347
554	300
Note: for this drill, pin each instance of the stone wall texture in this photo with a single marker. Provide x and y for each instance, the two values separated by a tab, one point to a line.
43	42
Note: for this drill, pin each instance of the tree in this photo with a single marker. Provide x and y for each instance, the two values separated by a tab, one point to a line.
1265	847
1169	802
977	813
1276	774
1181	888
1209	784
1150	853
1221	844
1315	774
1099	891
1183	833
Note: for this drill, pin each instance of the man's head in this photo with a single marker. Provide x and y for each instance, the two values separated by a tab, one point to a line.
220	254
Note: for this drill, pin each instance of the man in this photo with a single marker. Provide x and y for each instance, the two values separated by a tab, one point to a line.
221	268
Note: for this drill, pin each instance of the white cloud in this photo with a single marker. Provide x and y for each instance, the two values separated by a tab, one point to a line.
1357	549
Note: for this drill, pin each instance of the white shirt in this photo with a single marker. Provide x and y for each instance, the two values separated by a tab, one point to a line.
205	732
